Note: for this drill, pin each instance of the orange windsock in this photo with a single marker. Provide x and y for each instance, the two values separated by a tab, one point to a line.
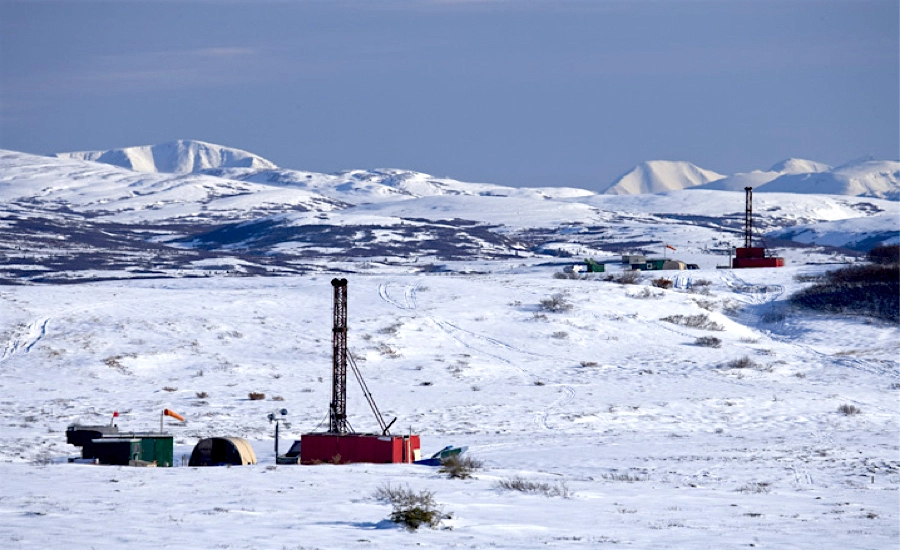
173	414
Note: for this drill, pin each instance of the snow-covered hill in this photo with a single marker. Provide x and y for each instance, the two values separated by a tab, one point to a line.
386	185
758	178
176	157
856	233
70	219
659	176
111	193
866	178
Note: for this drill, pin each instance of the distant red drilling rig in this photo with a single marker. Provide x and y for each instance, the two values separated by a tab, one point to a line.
340	444
749	255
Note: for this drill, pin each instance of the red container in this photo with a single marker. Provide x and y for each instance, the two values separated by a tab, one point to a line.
754	257
316	448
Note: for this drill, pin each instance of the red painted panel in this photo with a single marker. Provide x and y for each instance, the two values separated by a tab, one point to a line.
341	449
752	252
757	262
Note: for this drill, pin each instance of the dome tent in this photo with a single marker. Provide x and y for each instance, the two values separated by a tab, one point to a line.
222	451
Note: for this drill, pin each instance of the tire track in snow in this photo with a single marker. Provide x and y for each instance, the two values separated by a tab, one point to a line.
541	418
464	338
24	343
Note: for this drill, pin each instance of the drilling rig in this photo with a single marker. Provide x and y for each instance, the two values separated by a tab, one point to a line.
749	255
341	444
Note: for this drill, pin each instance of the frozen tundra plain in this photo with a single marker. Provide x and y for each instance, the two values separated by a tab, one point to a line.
660	443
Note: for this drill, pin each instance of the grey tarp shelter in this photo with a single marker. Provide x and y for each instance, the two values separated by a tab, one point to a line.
222	451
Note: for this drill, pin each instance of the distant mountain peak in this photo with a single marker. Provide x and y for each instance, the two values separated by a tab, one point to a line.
182	156
799	166
660	176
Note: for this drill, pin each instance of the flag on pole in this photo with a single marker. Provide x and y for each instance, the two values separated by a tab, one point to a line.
670	247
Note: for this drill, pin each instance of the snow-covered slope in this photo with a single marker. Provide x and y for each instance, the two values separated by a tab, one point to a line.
758	178
122	195
866	178
386	185
658	176
856	233
642	437
176	157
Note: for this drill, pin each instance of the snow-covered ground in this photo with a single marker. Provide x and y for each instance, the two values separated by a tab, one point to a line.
661	442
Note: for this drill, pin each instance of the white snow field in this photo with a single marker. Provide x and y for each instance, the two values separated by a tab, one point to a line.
659	442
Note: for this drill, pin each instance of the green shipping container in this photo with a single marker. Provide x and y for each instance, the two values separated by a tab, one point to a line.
115	451
158	448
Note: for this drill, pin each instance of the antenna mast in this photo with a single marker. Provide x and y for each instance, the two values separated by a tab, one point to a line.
338	413
748	218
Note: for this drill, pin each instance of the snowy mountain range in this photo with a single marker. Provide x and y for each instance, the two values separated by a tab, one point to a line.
69	218
864	177
176	157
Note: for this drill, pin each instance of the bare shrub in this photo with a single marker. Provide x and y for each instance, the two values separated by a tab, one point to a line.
277	398
560	335
627	278
701	321
872	290
517	483
849	410
708	342
388	351
701	282
756	487
662	282
743	363
410	508
885	254
647	294
460	467
587	364
256	396
808	278
626	477
169	388
43	458
556	303
568	275
391	329
201	395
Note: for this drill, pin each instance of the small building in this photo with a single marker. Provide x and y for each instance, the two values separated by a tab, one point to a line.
131	447
594	266
631	259
119	451
107	445
336	448
659	264
222	451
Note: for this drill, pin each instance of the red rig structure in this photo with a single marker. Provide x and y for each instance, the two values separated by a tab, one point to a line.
749	255
340	444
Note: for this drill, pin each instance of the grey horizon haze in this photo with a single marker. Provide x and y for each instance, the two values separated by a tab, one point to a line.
521	93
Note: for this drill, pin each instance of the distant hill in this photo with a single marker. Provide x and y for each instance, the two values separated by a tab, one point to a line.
863	178
758	178
175	157
659	176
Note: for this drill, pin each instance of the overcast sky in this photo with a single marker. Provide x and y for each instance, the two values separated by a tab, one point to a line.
517	92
